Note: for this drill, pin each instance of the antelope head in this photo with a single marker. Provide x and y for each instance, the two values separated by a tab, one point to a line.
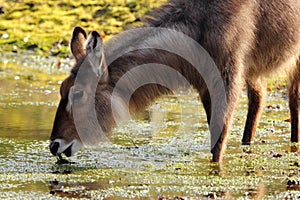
84	110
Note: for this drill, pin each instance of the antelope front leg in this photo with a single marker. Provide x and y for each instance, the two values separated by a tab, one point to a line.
256	95
294	98
222	113
205	98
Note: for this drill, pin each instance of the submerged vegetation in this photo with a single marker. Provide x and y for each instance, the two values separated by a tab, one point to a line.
163	155
46	26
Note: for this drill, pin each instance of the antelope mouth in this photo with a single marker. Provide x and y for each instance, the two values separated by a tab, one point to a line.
68	151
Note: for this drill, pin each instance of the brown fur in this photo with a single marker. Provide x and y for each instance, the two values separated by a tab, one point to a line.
247	39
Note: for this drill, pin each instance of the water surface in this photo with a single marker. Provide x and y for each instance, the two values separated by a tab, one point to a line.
164	153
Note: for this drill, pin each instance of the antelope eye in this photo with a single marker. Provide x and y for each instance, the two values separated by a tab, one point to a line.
77	94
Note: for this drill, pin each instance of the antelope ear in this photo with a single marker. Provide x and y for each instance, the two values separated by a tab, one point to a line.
95	53
77	43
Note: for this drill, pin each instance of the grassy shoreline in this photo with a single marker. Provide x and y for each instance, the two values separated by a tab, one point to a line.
45	27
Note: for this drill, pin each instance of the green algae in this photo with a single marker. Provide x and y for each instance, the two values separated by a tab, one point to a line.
153	157
164	154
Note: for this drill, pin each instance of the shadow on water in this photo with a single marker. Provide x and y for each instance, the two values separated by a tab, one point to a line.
73	190
164	154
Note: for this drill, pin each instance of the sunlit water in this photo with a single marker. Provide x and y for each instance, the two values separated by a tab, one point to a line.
164	153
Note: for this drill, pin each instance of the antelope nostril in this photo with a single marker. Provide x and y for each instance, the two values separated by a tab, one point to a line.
54	147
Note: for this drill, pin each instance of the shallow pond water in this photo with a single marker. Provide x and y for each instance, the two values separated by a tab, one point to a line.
163	154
